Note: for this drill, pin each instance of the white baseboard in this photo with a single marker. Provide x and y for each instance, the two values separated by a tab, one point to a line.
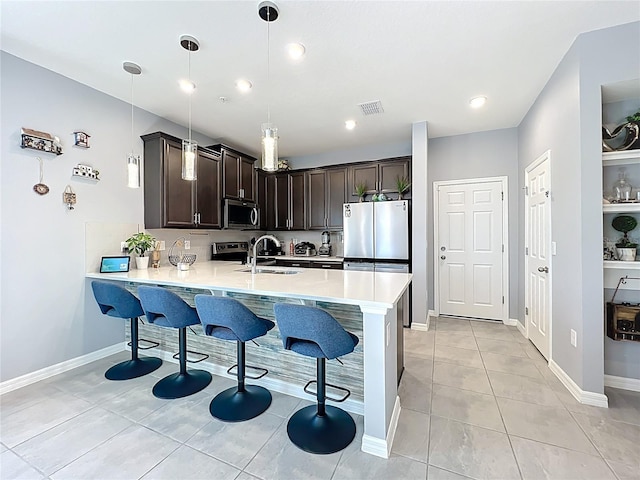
587	398
62	367
624	383
511	322
377	446
522	329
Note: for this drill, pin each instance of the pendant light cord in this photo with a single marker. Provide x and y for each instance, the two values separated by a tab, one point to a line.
268	66
191	93
131	113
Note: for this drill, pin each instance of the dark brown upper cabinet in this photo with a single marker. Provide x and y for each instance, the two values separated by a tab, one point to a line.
327	192
170	201
285	201
379	177
239	177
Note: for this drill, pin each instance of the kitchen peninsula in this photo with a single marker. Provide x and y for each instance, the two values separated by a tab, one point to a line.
365	303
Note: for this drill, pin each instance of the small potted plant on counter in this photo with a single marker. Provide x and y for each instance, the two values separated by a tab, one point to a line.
402	185
139	244
626	248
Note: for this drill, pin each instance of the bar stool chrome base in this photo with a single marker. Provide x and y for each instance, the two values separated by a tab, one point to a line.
321	434
133	368
178	385
233	405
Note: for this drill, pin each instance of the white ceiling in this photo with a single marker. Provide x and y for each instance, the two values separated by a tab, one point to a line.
423	60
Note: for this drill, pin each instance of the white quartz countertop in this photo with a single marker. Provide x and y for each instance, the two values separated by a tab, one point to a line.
366	289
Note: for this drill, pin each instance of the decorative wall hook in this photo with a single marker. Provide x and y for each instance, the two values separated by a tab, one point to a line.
69	197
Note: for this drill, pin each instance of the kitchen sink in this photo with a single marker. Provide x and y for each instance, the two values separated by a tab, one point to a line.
270	270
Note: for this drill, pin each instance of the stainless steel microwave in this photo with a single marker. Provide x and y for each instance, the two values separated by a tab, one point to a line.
240	215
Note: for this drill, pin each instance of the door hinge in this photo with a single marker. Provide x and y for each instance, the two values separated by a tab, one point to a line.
526	190
526	310
546	194
502	193
503	248
526	250
503	299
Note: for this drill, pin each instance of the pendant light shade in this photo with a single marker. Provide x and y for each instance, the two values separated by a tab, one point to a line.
269	147
133	160
268	11
189	147
189	158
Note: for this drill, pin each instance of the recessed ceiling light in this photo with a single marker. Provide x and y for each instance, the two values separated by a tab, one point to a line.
187	86
477	102
243	85
296	50
350	124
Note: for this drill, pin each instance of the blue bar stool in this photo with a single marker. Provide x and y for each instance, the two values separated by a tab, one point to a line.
166	309
228	319
116	301
314	333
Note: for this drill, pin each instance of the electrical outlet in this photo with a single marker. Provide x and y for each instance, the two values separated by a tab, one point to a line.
187	244
123	247
574	338
162	245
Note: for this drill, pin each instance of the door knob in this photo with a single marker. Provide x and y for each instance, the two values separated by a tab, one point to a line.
543	269
443	257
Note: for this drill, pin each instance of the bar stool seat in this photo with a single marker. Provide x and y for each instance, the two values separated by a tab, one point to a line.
228	319
116	301
312	332
166	309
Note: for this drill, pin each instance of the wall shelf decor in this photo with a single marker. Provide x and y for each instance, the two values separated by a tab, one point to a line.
85	171
41	141
81	139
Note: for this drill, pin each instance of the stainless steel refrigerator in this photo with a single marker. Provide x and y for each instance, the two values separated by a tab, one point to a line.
376	232
376	239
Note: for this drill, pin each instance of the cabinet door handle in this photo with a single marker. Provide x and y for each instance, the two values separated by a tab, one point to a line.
254	216
296	264
199	218
241	193
195	218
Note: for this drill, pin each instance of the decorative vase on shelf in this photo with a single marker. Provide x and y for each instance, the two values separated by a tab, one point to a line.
622	188
626	254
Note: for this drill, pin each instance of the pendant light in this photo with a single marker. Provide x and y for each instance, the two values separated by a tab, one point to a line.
189	147
268	11
133	160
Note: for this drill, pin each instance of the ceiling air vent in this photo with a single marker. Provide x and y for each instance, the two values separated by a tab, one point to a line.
371	108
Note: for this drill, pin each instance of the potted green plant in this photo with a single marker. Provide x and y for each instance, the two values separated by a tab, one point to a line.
402	185
361	191
139	243
625	247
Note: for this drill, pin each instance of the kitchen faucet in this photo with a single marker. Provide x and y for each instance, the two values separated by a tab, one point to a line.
255	246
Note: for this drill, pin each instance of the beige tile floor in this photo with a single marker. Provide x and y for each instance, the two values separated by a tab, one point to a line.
478	401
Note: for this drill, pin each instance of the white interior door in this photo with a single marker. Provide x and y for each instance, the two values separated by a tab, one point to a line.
470	250
538	241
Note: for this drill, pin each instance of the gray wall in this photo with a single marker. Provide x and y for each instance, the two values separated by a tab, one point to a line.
48	313
477	155
566	118
351	155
